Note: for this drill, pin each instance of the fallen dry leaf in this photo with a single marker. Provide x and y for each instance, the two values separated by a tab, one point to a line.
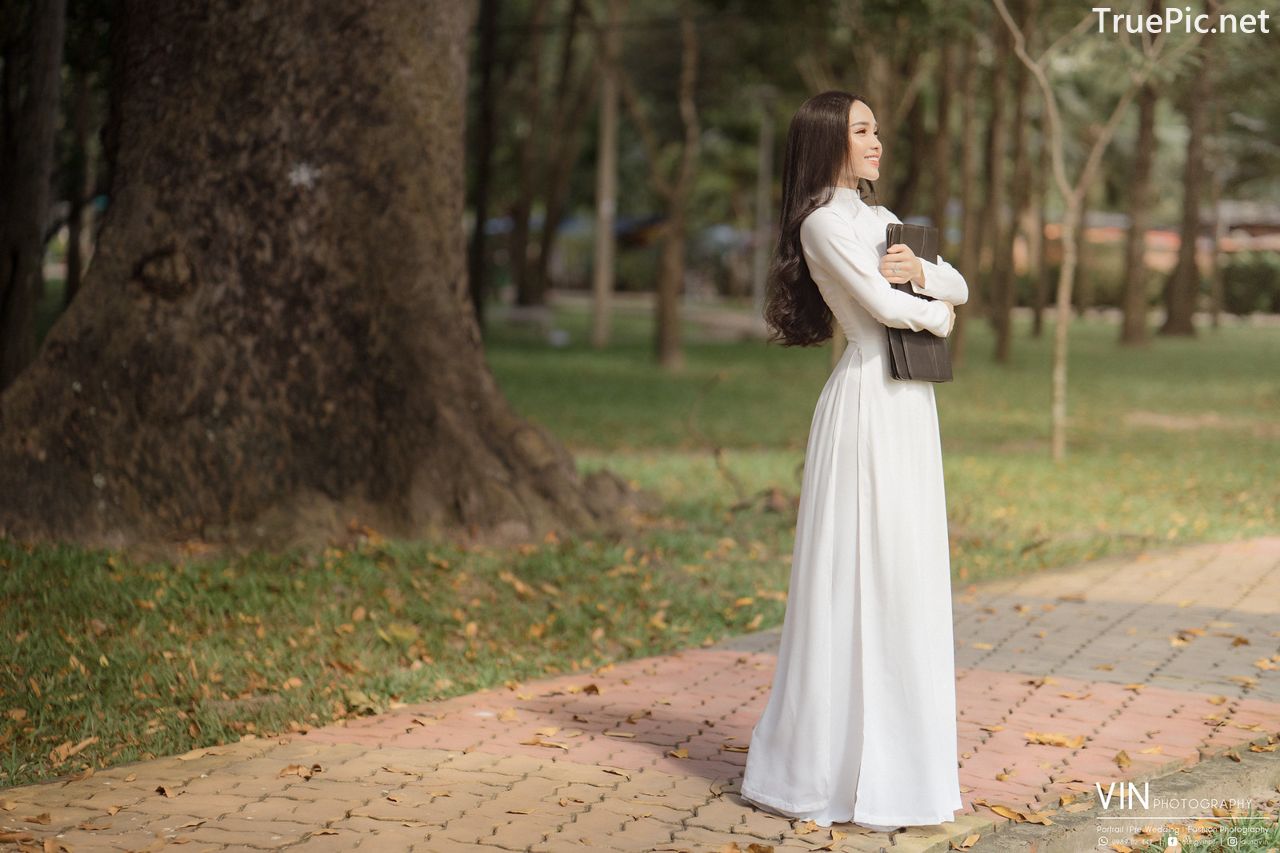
1055	739
538	741
299	770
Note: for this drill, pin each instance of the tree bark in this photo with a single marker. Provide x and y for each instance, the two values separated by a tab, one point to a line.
275	341
31	86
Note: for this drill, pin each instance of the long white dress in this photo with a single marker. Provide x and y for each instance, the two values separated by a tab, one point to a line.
860	723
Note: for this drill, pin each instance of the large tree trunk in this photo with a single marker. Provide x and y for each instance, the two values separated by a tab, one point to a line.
275	339
31	84
1183	285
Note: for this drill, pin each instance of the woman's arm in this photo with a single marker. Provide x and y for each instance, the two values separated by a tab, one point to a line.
942	281
828	242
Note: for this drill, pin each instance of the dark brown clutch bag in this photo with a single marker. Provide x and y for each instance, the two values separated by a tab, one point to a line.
919	355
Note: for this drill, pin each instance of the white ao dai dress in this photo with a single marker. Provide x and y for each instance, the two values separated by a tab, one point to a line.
860	723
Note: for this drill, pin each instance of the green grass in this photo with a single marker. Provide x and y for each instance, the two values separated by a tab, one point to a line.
1254	833
154	659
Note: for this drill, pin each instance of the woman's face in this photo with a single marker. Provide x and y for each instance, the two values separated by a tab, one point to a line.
864	143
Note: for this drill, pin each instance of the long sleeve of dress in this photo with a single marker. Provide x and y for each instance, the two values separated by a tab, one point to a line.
828	243
943	281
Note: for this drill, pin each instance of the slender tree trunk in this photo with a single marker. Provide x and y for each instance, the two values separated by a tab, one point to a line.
1217	230
670	352
1183	285
299	357
918	154
994	232
671	269
602	275
1040	271
1003	311
573	102
1133	326
28	118
942	144
530	124
1084	277
478	252
968	192
81	104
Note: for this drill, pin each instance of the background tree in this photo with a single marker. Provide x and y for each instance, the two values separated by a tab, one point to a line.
274	339
1133	324
30	60
1073	194
1182	287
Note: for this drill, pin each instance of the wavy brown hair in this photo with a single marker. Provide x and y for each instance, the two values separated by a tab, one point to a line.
816	155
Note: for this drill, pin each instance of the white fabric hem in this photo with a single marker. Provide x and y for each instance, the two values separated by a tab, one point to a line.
770	803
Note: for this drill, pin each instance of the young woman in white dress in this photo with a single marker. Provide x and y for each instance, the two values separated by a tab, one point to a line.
860	723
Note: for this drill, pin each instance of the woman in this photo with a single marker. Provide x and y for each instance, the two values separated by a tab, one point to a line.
860	724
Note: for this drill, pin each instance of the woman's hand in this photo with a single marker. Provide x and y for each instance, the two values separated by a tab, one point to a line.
900	265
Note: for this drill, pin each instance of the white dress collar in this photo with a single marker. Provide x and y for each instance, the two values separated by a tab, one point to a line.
847	195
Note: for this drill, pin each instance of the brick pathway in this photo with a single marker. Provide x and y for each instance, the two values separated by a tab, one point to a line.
1170	658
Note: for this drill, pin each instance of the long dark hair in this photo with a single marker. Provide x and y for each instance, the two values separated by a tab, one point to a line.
817	151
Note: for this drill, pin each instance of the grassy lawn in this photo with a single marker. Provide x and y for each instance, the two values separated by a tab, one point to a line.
1175	443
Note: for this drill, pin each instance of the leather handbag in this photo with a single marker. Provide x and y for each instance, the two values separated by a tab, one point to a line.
921	356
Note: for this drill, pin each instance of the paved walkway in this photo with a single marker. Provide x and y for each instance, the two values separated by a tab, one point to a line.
1126	670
